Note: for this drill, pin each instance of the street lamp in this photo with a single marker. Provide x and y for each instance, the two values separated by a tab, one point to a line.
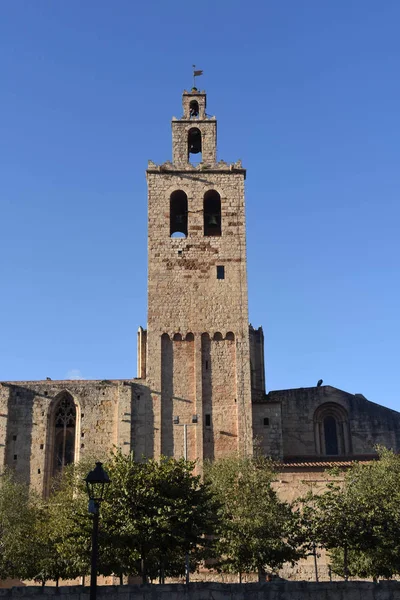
96	483
175	421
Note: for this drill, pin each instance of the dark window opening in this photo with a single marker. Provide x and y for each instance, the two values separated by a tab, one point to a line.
206	365
220	272
218	336
331	440
230	335
212	213
14	438
38	471
266	422
41	446
15	457
194	141
195	419
178	214
193	108
208	420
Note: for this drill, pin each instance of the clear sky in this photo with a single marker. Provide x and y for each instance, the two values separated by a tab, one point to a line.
306	93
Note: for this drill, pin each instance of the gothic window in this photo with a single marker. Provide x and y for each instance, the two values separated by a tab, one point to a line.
212	213
64	435
332	436
178	214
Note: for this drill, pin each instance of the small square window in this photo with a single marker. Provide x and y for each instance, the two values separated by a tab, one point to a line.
208	420
179	252
14	438
15	457
175	420
220	272
266	422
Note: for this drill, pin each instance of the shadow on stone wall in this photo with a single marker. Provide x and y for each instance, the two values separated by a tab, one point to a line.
142	421
207	397
20	423
167	374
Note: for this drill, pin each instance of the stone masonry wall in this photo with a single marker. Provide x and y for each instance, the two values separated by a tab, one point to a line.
185	298
279	590
368	423
109	413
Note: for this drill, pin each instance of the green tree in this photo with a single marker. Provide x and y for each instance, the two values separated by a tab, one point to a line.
18	517
63	531
257	528
154	514
357	518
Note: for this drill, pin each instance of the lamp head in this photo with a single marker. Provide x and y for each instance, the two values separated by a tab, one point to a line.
96	483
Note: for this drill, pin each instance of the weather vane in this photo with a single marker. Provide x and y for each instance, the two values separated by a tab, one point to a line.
196	74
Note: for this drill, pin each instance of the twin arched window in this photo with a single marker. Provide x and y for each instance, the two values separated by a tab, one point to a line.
212	213
331	428
178	214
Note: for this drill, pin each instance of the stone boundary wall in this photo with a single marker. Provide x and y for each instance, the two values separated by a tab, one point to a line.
280	590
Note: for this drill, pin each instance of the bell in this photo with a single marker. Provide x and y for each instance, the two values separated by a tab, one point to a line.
212	220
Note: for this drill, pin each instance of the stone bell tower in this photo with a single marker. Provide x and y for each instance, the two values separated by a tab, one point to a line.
195	354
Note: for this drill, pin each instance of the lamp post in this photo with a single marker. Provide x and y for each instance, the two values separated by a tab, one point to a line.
96	482
175	421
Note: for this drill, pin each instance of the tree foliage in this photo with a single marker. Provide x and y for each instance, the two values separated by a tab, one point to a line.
357	518
18	517
154	514
256	529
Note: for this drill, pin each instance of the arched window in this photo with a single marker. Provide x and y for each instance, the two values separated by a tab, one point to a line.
178	214
330	433
331	426
230	336
194	142
218	336
193	108
212	213
64	434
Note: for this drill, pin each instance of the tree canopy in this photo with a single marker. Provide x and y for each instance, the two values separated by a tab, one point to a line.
256	527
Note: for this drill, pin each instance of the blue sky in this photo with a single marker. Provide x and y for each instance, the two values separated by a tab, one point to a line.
306	94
